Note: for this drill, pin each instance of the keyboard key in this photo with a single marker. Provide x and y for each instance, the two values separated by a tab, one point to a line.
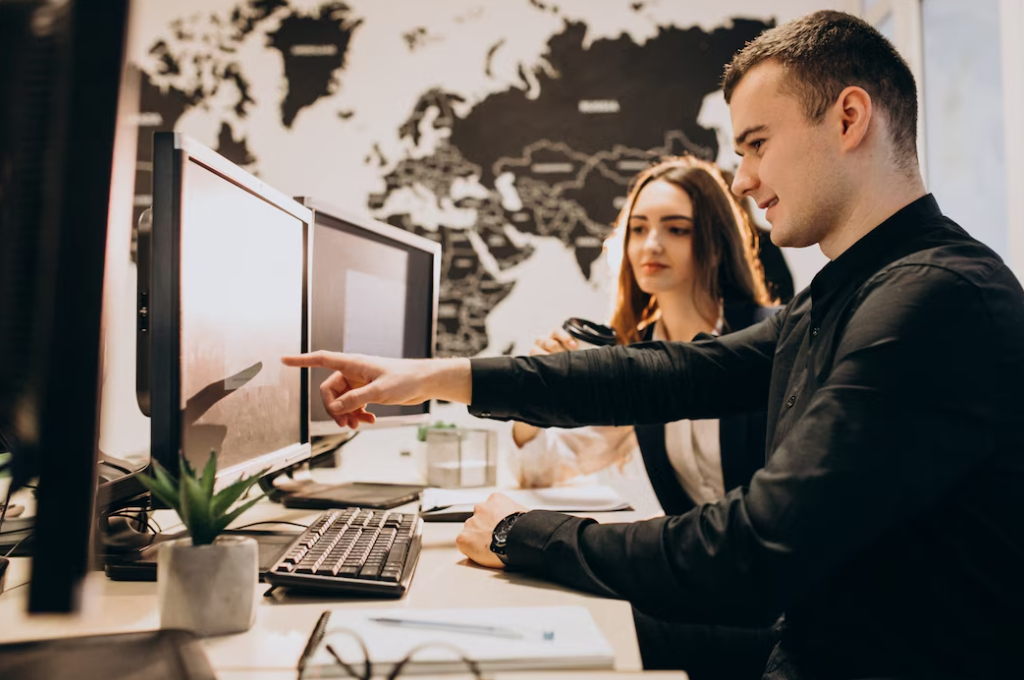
355	551
369	571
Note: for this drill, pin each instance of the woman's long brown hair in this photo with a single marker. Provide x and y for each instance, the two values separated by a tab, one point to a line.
724	247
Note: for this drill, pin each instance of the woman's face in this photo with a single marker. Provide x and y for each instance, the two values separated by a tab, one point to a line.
660	246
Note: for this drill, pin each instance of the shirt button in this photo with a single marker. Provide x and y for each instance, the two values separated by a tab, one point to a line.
815	330
791	401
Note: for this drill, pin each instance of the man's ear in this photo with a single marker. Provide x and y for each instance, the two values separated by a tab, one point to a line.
855	111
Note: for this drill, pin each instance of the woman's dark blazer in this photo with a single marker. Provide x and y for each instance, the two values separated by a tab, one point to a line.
741	437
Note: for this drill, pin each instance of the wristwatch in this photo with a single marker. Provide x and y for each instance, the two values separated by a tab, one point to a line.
500	536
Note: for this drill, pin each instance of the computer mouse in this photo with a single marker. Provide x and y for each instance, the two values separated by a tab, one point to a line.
3	572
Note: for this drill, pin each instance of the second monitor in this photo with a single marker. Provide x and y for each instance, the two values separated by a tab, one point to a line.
374	290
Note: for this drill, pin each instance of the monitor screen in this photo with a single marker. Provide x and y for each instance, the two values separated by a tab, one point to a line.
237	307
374	291
241	311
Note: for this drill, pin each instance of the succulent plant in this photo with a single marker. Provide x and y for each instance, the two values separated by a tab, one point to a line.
204	513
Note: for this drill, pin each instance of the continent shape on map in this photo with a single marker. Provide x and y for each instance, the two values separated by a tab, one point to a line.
198	57
564	146
314	50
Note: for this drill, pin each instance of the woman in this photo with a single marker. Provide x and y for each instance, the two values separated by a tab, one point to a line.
688	268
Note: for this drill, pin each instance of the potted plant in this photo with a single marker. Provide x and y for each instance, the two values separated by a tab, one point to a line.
206	582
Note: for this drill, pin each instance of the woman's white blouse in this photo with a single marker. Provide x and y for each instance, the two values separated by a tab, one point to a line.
556	454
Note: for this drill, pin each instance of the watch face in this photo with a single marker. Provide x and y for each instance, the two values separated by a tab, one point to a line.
500	535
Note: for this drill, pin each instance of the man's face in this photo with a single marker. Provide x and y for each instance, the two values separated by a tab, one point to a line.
789	165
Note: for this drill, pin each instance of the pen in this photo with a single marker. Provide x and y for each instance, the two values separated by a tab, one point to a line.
314	640
476	629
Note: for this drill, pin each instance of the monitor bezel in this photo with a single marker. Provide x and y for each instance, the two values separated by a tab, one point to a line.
172	151
390	232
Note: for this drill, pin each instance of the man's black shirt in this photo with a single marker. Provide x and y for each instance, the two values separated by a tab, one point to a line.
887	524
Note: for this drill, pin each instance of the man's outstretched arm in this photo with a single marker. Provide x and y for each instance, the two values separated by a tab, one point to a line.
650	383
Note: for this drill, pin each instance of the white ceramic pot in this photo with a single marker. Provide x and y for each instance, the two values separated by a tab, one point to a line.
208	589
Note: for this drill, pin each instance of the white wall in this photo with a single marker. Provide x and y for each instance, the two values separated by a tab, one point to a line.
1012	50
964	111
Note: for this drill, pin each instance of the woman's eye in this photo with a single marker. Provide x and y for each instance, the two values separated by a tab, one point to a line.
756	144
680	231
637	229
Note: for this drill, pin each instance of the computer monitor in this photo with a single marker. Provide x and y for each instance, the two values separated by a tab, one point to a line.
62	181
374	291
225	300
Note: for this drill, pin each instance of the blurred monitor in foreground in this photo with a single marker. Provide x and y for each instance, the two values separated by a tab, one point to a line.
66	175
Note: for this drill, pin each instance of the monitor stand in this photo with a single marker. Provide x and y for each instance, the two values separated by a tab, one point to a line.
295	478
127	552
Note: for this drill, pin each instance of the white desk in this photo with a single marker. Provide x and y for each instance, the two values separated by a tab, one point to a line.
269	651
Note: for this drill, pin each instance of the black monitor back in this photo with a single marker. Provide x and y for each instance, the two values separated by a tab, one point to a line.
60	74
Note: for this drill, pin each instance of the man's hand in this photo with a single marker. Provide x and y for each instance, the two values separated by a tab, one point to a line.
360	380
475	538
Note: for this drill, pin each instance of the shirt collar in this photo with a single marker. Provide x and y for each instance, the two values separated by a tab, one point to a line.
874	250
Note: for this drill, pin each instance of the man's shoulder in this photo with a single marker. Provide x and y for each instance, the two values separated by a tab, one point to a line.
954	281
949	256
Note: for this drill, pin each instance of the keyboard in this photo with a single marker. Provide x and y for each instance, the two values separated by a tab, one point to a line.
354	551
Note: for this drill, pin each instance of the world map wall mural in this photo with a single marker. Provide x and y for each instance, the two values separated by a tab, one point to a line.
506	131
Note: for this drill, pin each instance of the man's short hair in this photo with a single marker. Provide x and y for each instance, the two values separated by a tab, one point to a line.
826	52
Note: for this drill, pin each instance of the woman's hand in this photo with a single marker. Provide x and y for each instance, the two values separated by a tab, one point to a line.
558	341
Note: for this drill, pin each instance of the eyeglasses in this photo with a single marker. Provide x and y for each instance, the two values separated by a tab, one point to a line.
363	668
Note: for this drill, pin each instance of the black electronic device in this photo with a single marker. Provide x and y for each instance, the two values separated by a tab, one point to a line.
377	496
354	552
225	299
374	289
590	333
222	296
64	166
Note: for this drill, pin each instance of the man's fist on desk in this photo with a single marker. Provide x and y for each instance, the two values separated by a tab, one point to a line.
475	538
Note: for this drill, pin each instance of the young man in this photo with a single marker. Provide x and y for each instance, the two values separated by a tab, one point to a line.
887	525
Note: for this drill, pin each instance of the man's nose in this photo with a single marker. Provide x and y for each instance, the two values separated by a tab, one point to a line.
745	180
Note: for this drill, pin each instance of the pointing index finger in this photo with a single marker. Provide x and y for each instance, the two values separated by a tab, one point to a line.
319	359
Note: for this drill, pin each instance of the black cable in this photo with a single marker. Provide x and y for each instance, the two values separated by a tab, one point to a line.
16	545
7	503
139	519
253	524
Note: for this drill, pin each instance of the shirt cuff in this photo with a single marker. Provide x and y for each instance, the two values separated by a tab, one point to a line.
530	536
491	386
